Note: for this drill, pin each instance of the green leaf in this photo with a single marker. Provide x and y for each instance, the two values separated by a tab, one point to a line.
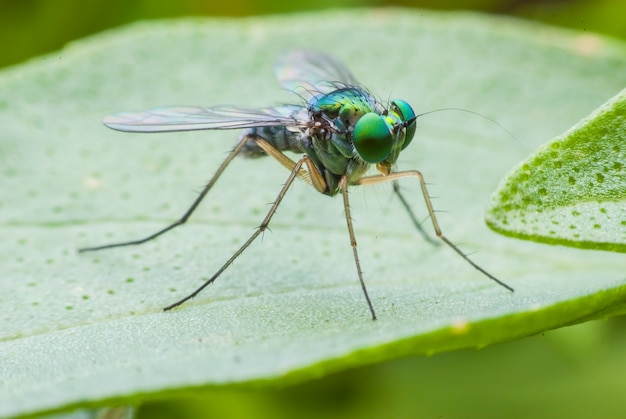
88	329
572	191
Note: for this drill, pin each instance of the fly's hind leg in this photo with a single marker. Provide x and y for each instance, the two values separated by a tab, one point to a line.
191	209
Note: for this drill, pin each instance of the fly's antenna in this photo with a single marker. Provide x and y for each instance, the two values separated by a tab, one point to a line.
410	121
493	121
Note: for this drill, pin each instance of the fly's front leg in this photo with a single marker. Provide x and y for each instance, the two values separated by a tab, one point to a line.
191	209
393	177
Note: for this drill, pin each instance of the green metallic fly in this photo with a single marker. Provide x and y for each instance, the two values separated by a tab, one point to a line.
341	131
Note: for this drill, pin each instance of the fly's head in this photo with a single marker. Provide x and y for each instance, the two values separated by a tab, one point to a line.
379	139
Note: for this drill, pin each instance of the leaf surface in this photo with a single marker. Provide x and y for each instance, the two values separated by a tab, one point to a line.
87	329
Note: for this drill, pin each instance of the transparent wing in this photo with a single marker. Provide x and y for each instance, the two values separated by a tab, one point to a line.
172	118
308	72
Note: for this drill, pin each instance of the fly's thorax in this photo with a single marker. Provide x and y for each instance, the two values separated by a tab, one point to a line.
346	105
353	168
379	138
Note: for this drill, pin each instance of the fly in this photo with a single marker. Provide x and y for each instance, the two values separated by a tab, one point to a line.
341	131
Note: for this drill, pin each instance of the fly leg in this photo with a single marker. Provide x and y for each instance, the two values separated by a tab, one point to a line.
295	172
191	209
393	177
416	222
315	178
343	184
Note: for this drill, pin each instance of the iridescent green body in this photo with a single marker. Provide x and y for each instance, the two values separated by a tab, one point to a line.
329	137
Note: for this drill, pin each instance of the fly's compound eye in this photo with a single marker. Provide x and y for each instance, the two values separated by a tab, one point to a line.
372	138
405	113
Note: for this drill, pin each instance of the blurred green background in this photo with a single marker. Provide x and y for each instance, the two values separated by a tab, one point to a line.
33	27
573	372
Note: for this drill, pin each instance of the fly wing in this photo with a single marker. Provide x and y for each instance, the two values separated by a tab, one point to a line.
171	118
308	73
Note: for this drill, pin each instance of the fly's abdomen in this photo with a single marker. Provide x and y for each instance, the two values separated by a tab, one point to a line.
278	136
